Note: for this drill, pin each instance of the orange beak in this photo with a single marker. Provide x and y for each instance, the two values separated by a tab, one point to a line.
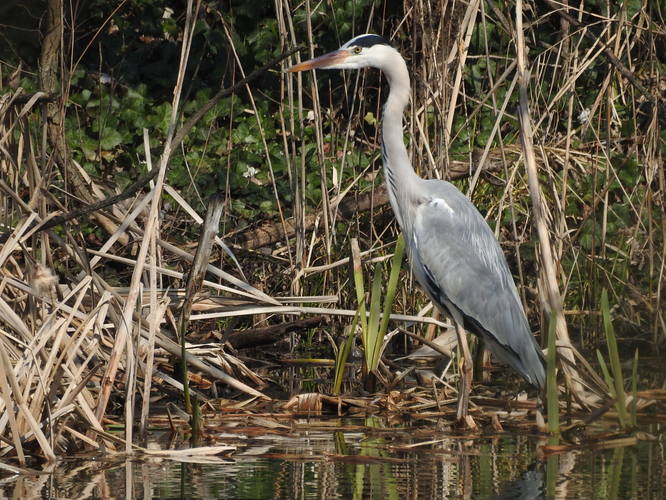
325	61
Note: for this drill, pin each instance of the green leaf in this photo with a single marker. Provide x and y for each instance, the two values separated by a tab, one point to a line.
614	360
370	118
110	138
374	339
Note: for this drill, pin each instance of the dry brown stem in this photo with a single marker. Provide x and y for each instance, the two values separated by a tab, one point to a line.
548	271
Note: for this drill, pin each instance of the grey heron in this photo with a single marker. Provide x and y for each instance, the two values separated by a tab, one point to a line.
453	253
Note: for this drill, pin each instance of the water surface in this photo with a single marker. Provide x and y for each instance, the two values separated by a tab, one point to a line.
361	458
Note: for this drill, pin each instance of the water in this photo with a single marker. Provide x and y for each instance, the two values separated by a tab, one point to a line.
368	458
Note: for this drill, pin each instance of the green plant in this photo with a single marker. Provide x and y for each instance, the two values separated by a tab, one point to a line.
374	327
614	380
342	356
551	383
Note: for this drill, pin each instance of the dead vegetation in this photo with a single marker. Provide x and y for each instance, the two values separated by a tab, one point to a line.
83	322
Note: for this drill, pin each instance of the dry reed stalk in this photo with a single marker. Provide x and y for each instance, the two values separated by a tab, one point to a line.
124	327
461	50
325	214
10	385
296	170
549	277
156	312
287	38
10	317
300	310
9	412
486	150
246	290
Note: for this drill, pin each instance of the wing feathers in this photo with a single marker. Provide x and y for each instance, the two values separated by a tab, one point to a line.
458	261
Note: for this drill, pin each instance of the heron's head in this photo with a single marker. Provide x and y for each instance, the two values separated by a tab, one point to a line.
360	52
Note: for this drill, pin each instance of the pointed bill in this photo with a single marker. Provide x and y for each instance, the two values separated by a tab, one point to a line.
325	61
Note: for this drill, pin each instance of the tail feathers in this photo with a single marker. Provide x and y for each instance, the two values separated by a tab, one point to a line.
529	362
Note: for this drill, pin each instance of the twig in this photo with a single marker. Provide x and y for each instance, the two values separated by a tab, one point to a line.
38	96
433	345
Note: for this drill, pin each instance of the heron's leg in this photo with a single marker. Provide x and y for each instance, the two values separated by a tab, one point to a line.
481	363
465	386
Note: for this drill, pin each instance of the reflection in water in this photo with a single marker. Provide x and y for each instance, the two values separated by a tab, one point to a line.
529	486
324	459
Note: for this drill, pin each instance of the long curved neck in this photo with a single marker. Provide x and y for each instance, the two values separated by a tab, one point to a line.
400	176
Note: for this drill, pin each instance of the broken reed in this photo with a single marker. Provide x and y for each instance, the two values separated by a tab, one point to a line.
195	280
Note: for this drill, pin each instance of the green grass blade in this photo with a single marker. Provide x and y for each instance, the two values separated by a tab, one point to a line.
552	402
360	289
634	388
374	339
614	360
615	473
343	355
392	287
607	376
552	475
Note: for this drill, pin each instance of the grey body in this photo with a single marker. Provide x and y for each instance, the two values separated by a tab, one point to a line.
453	253
457	260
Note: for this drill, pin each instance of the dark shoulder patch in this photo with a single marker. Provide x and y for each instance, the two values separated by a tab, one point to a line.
368	41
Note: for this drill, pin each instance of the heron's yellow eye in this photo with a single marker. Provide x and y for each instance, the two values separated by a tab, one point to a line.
358	50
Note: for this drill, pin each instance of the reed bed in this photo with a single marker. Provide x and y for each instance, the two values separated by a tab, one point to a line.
88	324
